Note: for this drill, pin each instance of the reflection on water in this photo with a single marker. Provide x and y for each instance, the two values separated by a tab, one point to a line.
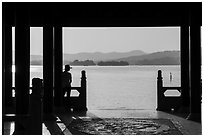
121	87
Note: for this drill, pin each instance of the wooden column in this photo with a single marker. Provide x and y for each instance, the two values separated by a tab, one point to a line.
7	60
195	62
58	99
5	51
184	34
3	65
48	69
22	61
195	73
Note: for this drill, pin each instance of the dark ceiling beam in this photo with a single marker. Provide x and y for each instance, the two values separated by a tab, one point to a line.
134	14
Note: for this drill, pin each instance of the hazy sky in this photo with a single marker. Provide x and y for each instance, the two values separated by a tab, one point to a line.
77	40
120	39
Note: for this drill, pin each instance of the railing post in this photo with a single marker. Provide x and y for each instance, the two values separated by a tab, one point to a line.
35	125
160	94
83	106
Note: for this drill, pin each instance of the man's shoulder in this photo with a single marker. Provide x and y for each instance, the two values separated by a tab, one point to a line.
66	73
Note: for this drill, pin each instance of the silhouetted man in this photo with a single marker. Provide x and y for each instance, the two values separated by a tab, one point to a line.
66	86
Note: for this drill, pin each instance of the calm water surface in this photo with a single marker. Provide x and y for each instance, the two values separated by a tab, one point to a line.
121	87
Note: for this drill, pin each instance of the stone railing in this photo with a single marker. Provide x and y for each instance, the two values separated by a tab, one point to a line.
31	123
166	103
79	103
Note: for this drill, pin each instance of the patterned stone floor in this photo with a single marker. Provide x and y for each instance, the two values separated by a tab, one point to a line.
124	126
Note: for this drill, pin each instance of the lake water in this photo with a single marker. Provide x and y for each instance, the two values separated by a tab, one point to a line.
120	87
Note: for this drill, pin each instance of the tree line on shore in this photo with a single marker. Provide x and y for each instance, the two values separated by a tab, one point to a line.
160	61
100	63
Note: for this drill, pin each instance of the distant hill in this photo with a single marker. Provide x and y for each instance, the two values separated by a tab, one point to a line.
36	57
96	56
99	56
36	60
159	61
157	58
135	57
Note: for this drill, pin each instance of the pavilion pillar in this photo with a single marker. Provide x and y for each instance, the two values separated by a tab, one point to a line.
3	65
22	63
6	61
58	95
195	63
48	70
185	68
7	44
195	73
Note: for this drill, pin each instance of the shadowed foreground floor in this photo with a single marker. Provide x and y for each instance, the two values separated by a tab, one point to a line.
129	122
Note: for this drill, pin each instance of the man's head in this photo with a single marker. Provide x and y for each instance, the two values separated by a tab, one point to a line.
67	68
